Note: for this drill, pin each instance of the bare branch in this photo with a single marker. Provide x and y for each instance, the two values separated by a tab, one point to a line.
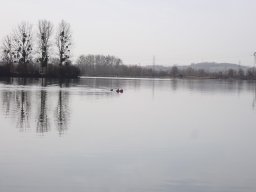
7	49
23	43
45	30
63	42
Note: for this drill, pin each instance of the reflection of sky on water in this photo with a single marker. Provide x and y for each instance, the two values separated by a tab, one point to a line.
23	98
160	135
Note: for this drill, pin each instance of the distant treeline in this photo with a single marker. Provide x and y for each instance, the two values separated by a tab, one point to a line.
249	74
36	53
29	53
100	65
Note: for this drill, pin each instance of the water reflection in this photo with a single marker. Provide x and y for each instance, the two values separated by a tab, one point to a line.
23	103
254	98
196	135
62	111
6	97
36	107
40	104
43	123
43	105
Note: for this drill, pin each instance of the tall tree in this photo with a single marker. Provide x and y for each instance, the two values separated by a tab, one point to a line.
63	42
23	45
45	29
7	51
174	71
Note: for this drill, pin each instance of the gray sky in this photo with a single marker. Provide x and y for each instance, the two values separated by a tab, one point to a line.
175	31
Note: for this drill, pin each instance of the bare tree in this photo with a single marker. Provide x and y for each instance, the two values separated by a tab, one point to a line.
63	42
7	51
174	71
45	29
23	45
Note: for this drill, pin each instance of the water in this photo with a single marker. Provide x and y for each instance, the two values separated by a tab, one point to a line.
159	136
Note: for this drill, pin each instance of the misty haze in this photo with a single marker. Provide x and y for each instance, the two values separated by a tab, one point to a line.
127	96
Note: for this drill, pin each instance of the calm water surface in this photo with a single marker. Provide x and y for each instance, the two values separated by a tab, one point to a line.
159	136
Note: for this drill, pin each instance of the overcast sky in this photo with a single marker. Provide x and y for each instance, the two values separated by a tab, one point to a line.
175	31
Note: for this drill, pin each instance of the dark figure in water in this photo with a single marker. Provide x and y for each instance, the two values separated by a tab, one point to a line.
111	89
119	90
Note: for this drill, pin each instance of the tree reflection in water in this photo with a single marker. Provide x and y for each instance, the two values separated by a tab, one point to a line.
38	107
62	110
43	104
7	97
23	102
254	98
43	122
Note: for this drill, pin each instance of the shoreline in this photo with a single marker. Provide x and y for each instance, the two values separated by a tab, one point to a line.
122	77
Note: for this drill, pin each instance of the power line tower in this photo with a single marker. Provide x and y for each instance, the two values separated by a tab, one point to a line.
154	65
254	65
254	56
153	75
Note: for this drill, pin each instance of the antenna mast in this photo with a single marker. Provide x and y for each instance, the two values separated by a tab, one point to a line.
254	55
154	65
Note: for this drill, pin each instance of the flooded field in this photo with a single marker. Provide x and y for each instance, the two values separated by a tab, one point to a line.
158	136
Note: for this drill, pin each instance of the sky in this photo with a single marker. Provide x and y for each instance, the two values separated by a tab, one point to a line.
176	32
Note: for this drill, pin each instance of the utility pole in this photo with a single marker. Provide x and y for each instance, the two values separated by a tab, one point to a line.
254	56
153	74
154	65
254	65
254	100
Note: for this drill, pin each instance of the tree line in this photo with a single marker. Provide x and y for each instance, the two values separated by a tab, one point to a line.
28	53
107	65
46	52
189	72
102	65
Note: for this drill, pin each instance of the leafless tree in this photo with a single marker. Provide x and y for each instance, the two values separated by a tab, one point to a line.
63	42
23	44
45	30
7	51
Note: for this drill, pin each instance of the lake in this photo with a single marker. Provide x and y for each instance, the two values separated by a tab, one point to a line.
158	136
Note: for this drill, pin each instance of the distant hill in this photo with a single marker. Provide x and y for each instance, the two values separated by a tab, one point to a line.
206	66
217	67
